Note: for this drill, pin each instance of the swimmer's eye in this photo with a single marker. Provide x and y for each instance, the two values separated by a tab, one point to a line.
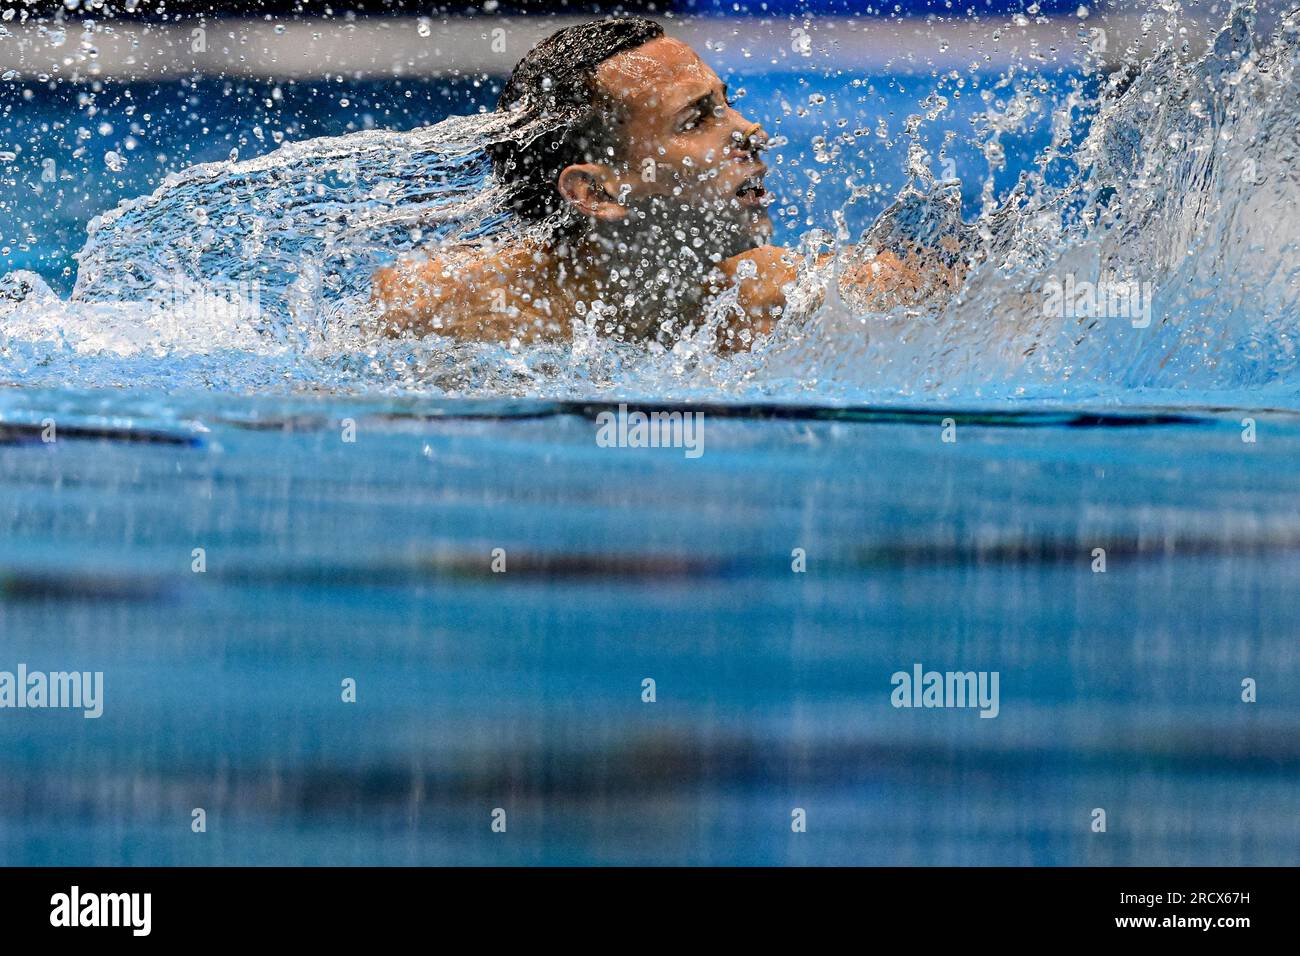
695	118
706	108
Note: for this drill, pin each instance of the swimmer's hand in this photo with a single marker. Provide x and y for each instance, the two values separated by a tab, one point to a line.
883	281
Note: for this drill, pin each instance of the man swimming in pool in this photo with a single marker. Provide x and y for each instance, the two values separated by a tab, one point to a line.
655	186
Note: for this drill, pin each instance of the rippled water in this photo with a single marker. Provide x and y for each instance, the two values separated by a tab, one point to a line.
328	559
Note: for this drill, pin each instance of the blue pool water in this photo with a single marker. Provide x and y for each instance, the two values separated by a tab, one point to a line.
522	690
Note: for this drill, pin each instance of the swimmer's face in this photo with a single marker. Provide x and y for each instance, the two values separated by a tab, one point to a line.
682	144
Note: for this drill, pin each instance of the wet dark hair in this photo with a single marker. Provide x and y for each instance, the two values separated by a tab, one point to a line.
564	115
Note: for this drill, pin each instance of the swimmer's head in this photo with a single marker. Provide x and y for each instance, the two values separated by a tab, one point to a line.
637	132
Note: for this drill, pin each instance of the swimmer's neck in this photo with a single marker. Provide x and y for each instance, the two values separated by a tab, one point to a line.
646	287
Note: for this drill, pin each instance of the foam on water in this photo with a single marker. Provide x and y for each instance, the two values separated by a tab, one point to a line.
1177	180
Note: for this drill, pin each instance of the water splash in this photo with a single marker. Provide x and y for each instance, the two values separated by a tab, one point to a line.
1181	197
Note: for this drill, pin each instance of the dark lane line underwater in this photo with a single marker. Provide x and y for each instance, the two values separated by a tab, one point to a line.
374	560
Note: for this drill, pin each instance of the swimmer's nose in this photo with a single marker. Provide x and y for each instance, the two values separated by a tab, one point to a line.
753	139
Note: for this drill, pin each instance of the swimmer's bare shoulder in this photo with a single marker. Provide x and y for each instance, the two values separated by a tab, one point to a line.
515	293
472	293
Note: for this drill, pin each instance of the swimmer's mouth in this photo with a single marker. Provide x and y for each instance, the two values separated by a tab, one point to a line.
751	191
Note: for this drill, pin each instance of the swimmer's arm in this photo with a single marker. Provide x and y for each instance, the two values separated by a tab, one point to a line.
886	281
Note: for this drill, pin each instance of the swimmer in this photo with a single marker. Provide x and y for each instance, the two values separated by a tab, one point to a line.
655	186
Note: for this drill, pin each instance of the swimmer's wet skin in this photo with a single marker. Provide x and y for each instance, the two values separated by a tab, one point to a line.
655	186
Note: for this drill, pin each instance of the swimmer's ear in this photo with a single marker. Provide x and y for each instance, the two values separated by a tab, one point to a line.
586	186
